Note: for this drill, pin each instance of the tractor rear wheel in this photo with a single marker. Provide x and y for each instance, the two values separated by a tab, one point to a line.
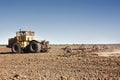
34	47
16	48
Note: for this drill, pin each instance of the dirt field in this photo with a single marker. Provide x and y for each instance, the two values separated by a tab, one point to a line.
56	65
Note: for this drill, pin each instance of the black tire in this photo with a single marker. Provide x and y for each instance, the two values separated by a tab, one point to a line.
16	48
34	47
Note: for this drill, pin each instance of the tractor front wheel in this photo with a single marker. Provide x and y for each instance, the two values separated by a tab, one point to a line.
16	48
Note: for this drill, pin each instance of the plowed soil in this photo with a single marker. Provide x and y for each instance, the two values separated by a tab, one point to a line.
57	65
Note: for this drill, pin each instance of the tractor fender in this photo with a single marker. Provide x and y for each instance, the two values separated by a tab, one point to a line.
34	41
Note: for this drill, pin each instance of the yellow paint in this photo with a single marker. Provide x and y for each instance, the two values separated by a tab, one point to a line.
23	40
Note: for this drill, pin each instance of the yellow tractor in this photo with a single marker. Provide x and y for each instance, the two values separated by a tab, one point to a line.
25	42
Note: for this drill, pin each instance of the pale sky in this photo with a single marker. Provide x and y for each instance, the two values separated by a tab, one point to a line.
62	21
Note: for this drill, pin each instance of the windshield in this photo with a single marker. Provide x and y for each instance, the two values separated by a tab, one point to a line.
26	33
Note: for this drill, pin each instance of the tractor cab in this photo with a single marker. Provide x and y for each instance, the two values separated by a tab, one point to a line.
24	36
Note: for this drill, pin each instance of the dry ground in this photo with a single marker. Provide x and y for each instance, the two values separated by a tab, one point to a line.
56	65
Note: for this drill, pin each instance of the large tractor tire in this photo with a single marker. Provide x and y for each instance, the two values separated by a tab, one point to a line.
16	48
34	47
